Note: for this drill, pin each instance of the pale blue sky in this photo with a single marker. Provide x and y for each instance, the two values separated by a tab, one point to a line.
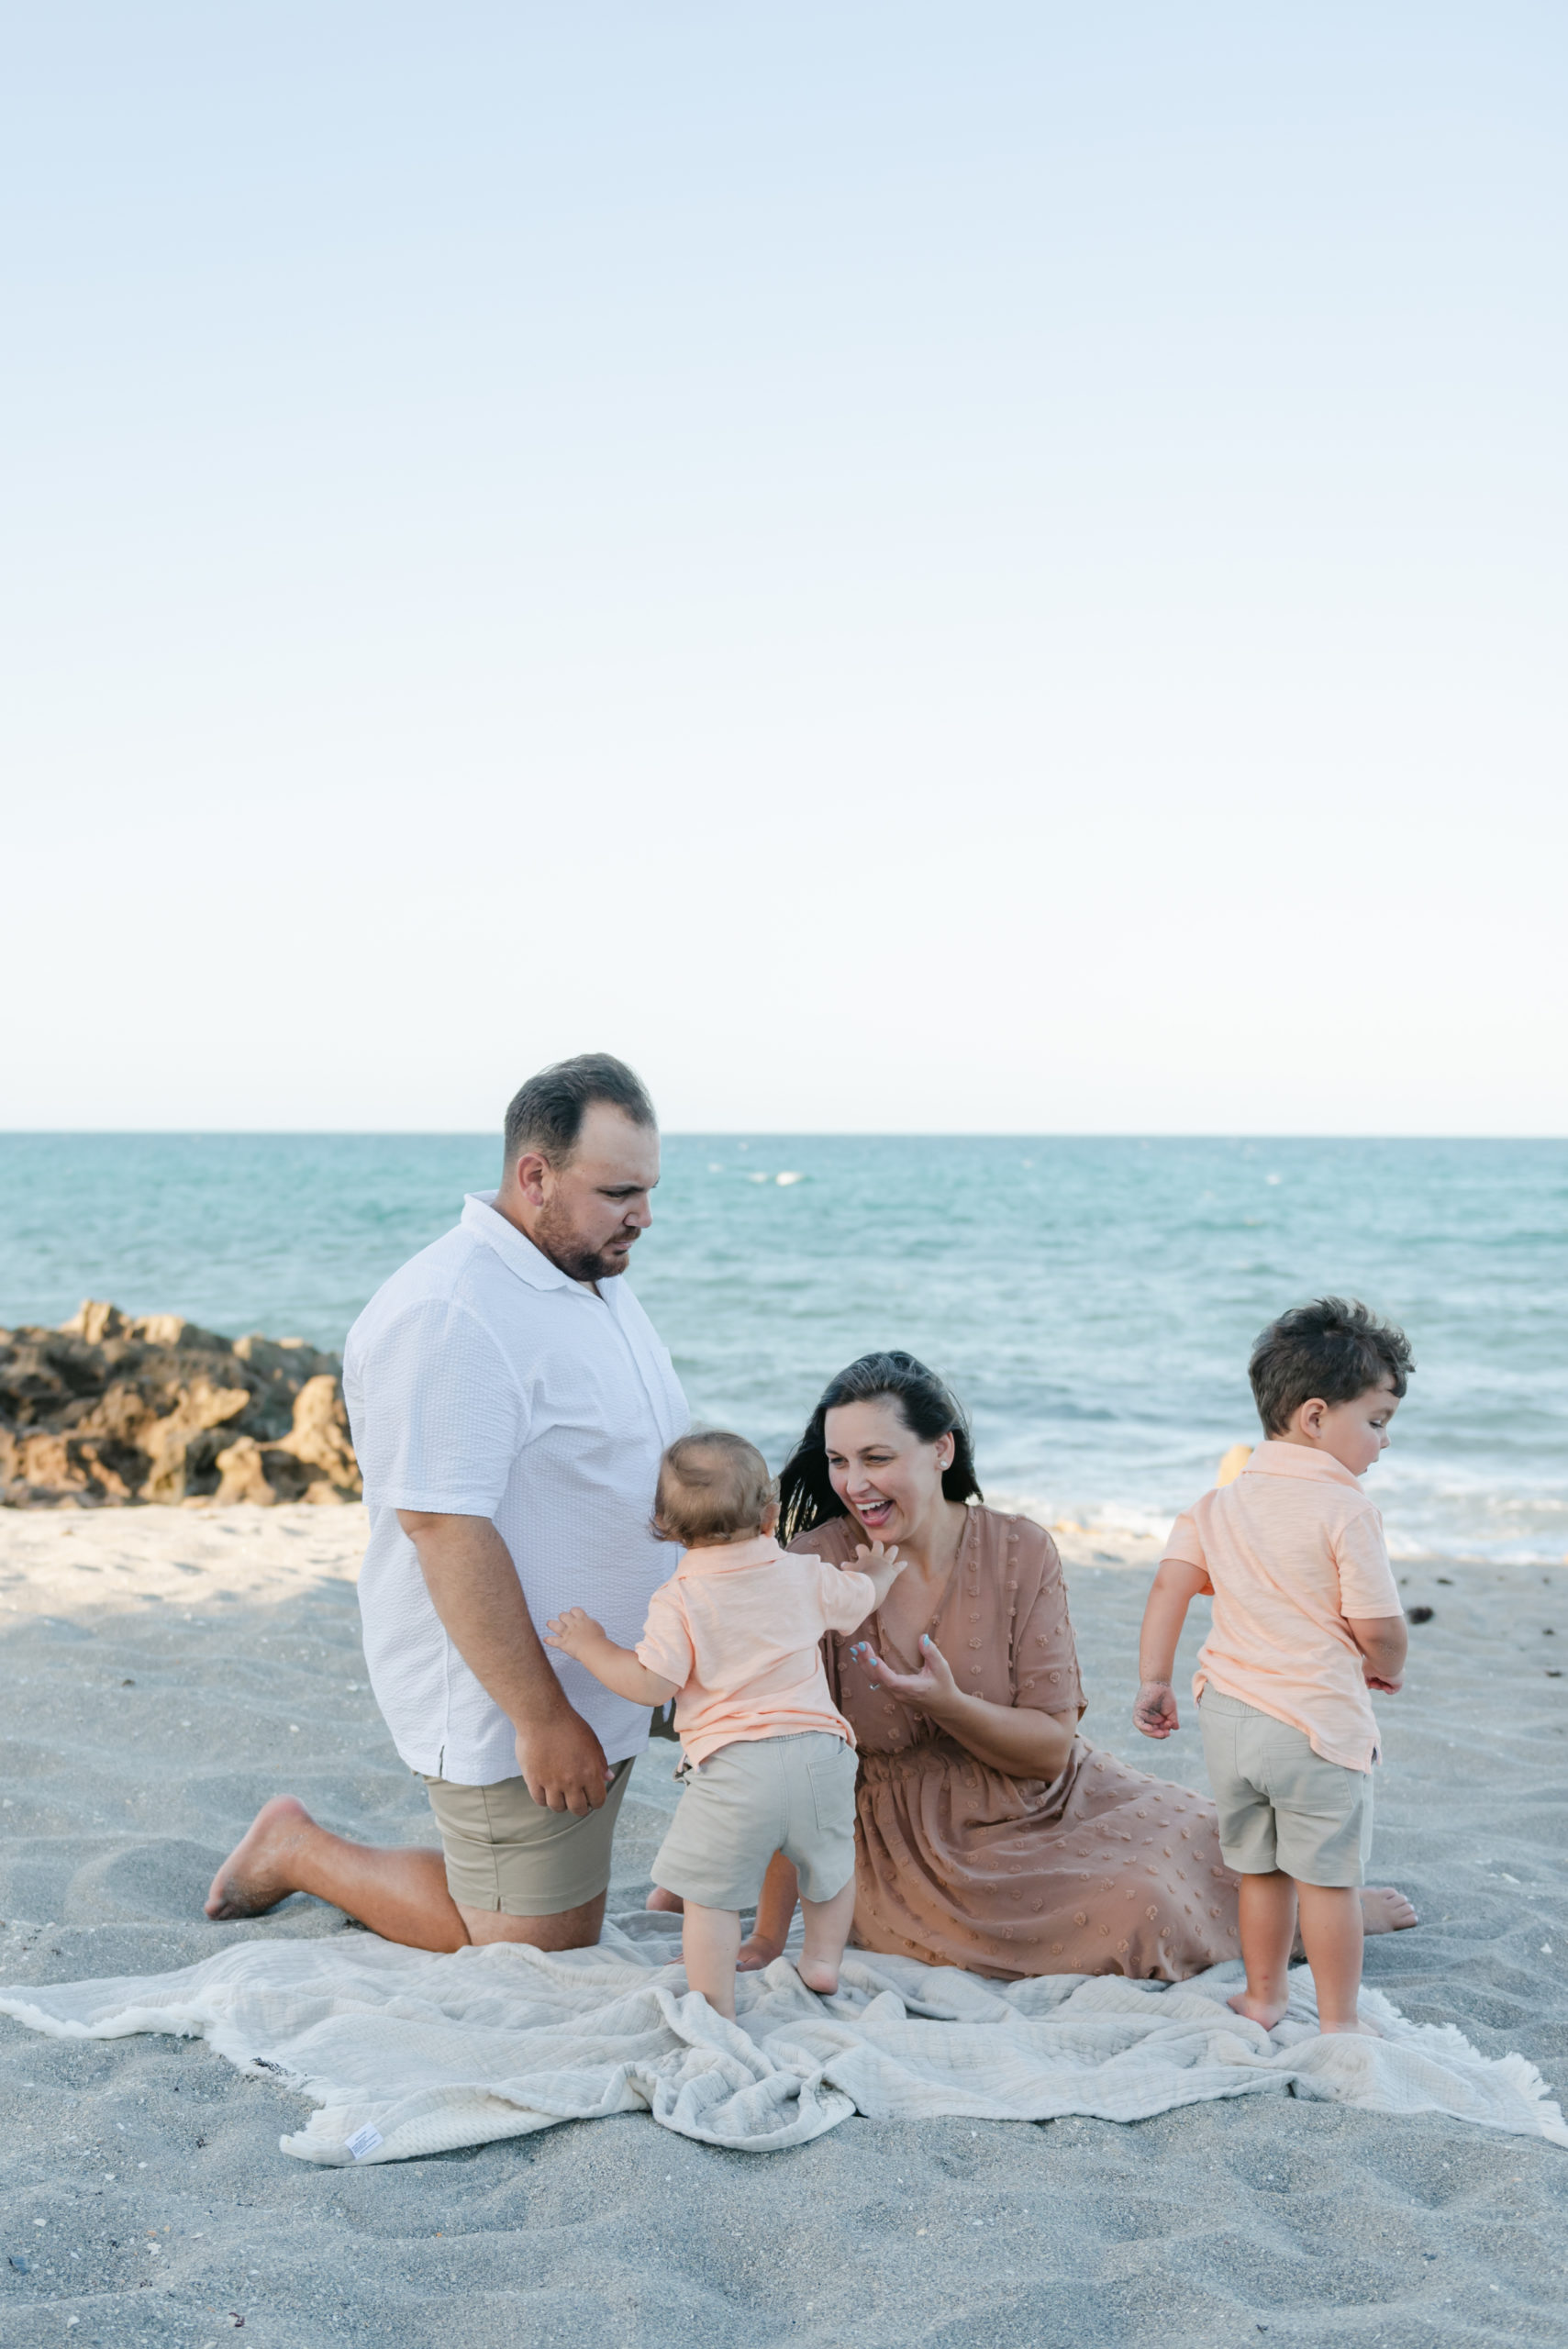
912	567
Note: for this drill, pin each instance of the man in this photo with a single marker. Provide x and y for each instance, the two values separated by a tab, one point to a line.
509	1402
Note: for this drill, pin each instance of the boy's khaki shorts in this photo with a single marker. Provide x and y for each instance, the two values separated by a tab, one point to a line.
1282	1805
759	1796
507	1854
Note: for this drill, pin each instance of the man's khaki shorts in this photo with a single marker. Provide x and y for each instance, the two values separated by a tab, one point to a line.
762	1795
507	1854
1282	1805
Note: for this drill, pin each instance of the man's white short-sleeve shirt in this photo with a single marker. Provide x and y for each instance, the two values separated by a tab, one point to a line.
482	1381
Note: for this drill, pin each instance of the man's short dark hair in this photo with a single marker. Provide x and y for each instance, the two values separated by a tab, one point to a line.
1330	1351
546	1114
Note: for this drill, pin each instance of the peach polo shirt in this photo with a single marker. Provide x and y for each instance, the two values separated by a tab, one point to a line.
1290	1548
737	1629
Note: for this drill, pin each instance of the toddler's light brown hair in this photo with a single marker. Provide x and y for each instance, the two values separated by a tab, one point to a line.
712	1488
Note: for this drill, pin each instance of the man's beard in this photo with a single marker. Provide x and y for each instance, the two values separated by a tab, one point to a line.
568	1254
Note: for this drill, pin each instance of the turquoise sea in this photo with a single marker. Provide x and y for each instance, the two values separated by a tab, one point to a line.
1093	1301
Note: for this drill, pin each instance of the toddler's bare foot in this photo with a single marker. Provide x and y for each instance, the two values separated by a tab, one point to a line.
670	1902
1359	2028
1384	1911
756	1951
255	1877
819	1976
1265	2012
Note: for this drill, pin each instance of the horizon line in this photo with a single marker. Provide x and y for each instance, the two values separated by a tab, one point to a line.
766	1133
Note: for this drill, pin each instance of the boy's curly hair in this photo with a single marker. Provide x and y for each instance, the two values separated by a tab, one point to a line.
1329	1350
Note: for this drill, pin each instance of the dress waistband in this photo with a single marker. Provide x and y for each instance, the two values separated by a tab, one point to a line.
913	1761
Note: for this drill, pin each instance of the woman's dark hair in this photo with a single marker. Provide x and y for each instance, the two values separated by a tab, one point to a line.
927	1409
1329	1350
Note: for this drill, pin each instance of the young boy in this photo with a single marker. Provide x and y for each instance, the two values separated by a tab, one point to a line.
1306	1621
734	1637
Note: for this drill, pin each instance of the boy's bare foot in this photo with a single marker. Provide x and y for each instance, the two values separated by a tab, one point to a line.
756	1952
819	1976
255	1877
1384	1911
1263	2012
669	1903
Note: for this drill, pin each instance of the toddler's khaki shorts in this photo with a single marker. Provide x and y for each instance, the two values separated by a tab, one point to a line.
509	1854
1282	1805
759	1796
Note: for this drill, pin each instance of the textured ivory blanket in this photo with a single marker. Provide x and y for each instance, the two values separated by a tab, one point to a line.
407	2053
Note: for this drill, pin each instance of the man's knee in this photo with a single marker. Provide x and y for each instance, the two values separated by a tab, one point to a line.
569	1929
519	1873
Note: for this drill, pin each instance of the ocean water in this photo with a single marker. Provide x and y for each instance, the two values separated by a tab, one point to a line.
1092	1301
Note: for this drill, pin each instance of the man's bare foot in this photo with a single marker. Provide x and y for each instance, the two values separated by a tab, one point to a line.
255	1877
755	1953
1384	1911
1265	2012
669	1903
819	1976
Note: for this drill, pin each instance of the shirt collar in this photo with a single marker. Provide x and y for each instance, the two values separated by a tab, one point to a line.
718	1557
516	1249
1274	1459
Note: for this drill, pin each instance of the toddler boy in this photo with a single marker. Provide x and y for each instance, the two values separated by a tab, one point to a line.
1307	1621
735	1638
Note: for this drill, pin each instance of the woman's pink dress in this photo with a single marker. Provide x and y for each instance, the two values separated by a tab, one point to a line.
1101	1871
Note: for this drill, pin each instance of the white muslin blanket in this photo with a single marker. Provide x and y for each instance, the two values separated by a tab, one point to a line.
407	2053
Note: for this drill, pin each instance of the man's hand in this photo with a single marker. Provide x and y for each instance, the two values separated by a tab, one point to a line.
475	1589
1154	1709
564	1764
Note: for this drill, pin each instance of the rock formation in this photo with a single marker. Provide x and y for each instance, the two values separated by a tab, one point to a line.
107	1410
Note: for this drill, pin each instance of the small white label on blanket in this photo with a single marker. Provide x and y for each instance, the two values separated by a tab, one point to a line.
363	2141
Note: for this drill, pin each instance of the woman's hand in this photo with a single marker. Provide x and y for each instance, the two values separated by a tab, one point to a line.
933	1687
1015	1739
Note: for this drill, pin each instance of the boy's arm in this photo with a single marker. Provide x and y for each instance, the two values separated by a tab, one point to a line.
1176	1585
617	1669
1382	1641
1369	1599
880	1568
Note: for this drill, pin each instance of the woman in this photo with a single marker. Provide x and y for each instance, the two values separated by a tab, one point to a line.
989	1834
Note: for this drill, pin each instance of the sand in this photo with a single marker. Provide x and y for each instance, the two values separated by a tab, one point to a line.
166	1670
